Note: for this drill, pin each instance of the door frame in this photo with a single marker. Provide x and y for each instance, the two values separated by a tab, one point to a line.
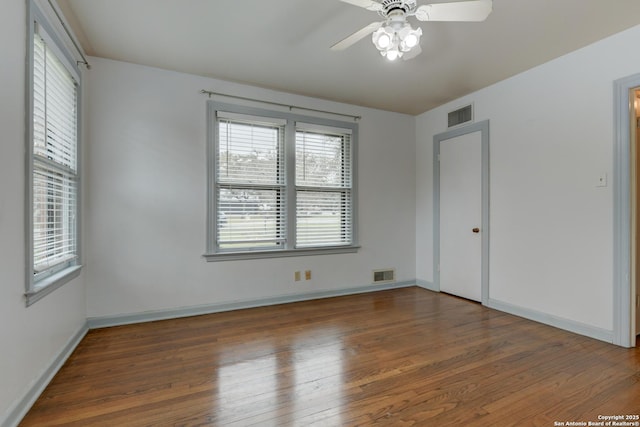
622	204
483	128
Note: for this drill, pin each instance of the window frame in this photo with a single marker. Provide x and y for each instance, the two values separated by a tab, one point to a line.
213	253
42	284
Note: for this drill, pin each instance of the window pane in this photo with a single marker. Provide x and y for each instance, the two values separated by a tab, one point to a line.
323	218
322	160
250	218
249	153
39	118
54	118
54	218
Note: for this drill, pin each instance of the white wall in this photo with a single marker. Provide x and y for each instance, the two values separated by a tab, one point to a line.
551	137
31	337
146	205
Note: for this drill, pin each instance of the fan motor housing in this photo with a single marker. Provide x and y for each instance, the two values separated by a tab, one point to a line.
389	6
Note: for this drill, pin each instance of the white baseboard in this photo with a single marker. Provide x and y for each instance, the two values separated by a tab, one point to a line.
540	317
427	285
22	407
555	321
148	316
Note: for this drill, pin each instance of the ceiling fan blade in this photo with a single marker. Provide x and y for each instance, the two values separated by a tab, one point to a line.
357	36
367	4
412	53
463	11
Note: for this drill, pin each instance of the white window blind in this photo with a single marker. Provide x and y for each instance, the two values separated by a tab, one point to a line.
323	187
250	191
55	177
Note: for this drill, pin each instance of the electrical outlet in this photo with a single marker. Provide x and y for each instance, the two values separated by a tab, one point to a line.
296	276
307	275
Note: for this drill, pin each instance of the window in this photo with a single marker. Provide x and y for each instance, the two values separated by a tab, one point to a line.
323	186
250	189
280	184
53	166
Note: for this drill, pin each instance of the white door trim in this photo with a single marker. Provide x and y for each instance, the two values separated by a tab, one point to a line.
483	128
622	289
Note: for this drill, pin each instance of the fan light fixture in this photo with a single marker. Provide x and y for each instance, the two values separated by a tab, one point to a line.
393	43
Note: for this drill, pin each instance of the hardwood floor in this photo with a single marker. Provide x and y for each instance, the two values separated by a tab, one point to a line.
406	357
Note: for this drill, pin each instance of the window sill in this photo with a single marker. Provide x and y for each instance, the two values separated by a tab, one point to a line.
47	285
236	256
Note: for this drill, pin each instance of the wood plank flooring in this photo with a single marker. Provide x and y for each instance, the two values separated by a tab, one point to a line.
406	357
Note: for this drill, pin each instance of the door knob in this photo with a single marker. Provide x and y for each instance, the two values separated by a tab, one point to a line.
476	230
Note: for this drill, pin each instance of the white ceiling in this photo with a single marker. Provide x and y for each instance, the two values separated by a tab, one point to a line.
284	44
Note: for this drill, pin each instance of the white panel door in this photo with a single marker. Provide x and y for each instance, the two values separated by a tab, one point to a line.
461	216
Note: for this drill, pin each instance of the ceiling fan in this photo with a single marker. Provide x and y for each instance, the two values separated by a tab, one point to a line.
395	38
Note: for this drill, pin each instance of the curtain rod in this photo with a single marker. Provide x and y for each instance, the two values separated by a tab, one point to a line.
290	107
73	40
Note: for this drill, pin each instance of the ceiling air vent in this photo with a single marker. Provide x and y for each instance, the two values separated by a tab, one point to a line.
382	276
460	116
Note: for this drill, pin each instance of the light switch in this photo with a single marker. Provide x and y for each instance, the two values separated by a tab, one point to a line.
602	180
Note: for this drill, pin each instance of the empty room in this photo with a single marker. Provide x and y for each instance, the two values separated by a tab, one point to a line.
320	212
